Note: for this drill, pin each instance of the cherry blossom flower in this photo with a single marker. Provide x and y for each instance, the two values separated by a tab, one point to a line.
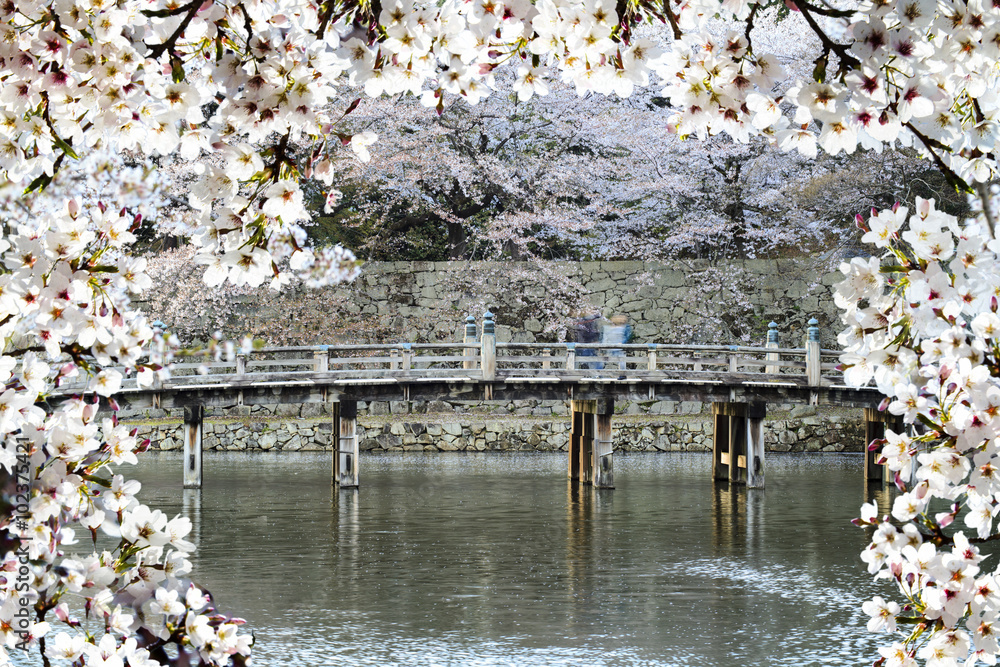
883	614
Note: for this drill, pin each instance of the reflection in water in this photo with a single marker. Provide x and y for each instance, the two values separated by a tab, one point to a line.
728	516
754	524
191	508
497	559
346	535
881	494
579	509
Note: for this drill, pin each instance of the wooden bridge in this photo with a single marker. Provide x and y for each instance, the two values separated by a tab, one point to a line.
739	381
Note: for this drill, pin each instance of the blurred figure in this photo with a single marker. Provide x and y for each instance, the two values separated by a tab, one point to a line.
587	330
619	332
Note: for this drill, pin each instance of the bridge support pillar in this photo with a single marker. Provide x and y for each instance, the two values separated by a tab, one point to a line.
193	416
875	425
575	435
731	439
755	445
581	441
345	444
603	465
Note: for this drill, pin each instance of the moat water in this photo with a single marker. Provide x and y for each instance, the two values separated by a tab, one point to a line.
497	559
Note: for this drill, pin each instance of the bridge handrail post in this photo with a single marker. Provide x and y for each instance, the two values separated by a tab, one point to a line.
651	355
241	364
546	353
813	369
732	359
773	342
488	348
407	356
321	360
470	339
394	360
570	356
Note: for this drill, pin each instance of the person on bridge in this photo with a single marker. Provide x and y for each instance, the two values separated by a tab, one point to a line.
619	332
587	328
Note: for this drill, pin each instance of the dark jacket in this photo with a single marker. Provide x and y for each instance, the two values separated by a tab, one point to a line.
587	329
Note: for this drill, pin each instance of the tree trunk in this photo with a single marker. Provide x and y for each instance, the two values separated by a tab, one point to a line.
457	241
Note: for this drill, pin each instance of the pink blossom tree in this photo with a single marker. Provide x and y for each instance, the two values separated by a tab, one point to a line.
564	178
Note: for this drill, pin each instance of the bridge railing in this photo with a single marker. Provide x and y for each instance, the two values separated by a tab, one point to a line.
831	373
361	360
403	359
479	357
642	360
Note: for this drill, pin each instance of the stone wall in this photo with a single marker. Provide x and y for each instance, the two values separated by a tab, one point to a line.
803	429
666	301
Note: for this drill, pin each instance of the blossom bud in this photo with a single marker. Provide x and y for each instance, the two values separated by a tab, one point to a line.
73	208
994	303
884	405
895	207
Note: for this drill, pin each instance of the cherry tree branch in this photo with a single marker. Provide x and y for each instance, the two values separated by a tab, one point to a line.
247	24
846	60
985	197
931	145
672	19
155	51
